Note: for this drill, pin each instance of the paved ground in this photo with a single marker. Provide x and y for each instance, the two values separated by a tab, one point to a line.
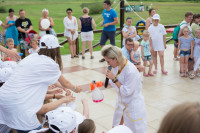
161	92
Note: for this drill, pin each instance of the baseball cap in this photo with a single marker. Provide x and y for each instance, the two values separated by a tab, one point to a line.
156	16
120	129
49	42
63	119
5	73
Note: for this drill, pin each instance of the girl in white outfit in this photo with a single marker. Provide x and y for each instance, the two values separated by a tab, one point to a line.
125	78
70	32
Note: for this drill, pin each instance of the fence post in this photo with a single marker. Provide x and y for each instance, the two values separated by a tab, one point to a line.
121	18
77	46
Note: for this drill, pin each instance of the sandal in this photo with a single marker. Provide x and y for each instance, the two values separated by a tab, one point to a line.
182	75
145	75
92	57
76	56
150	74
72	57
192	76
164	72
83	57
155	71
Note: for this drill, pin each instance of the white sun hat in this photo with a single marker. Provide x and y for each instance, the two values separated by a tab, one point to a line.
64	120
120	129
156	16
49	42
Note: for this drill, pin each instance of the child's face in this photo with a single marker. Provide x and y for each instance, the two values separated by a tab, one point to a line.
136	46
129	22
185	31
155	22
197	33
10	45
34	45
146	38
197	20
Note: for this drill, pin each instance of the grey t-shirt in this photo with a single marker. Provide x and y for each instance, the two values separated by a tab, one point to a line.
185	43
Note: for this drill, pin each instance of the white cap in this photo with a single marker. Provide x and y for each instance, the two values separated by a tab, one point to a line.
156	16
120	129
49	42
45	10
0	22
5	73
64	119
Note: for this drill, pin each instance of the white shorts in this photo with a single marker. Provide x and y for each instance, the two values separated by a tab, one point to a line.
87	36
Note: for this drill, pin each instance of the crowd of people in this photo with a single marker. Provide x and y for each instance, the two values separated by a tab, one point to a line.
26	104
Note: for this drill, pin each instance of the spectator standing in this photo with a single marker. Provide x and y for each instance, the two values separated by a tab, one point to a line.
85	26
110	19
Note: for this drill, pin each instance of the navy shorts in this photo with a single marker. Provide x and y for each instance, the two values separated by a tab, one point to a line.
175	44
105	35
185	53
147	58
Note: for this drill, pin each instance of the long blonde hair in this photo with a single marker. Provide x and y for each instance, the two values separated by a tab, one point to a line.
184	118
113	52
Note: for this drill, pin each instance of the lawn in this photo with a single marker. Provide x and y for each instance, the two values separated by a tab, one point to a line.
170	12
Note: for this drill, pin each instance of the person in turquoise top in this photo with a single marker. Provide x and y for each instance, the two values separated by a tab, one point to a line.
146	54
110	19
12	31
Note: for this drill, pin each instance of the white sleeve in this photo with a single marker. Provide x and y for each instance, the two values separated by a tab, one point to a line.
66	24
0	22
76	24
124	29
51	70
129	85
183	25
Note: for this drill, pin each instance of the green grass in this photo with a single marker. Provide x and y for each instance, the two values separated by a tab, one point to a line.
170	12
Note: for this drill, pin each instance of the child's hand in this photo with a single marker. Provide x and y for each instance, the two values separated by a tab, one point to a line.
191	56
69	98
165	46
78	89
68	92
58	96
143	58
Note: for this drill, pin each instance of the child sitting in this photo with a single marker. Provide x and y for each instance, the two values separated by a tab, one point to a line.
34	45
196	54
135	56
146	54
185	44
10	45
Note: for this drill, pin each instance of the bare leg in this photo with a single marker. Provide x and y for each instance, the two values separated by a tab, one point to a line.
155	59
150	67
161	55
70	47
83	47
90	47
74	47
182	64
186	65
145	63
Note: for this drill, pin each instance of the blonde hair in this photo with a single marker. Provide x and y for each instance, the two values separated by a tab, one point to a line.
86	10
185	28
145	33
113	52
184	118
87	126
9	40
33	40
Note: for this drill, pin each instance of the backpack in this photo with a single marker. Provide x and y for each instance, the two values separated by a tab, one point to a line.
176	32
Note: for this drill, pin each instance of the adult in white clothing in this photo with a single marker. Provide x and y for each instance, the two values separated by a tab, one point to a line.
70	32
125	78
23	94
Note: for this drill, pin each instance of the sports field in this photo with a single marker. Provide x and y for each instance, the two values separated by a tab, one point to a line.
170	12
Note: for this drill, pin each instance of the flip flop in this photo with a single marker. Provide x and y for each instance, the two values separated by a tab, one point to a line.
164	72
155	71
150	74
145	75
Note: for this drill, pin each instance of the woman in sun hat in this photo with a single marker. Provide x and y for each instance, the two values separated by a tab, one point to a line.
23	94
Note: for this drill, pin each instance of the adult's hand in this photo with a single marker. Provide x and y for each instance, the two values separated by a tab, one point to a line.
110	75
12	54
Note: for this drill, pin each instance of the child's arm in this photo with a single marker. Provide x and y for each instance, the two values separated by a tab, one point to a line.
142	52
134	35
85	108
192	48
164	41
132	57
151	45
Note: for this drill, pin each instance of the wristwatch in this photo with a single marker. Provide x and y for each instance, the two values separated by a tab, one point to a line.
115	80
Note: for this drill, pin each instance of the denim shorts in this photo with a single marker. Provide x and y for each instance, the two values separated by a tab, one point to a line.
185	53
175	44
147	58
105	35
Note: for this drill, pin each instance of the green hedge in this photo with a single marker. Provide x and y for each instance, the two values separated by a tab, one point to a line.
95	8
